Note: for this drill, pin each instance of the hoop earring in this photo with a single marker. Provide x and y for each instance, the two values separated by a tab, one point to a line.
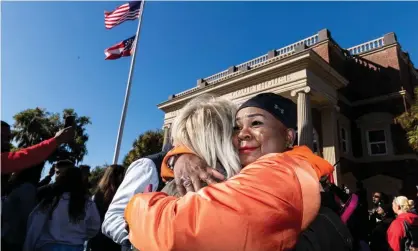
289	145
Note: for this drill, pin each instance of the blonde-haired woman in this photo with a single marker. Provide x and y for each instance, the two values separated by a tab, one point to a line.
203	127
396	232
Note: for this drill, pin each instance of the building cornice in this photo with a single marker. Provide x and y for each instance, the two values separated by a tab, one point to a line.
293	63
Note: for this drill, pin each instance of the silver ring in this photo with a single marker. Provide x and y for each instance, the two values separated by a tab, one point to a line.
186	181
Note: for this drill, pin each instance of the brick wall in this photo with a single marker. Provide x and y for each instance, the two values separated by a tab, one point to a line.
408	79
368	79
322	50
387	58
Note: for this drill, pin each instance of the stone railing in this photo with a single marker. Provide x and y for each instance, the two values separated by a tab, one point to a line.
285	52
282	52
186	92
290	48
368	46
253	62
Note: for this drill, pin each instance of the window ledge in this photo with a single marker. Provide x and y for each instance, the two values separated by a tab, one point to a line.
382	158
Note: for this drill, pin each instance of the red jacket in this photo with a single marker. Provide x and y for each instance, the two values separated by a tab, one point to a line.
19	160
396	230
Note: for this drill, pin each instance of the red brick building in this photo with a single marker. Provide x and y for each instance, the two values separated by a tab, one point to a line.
348	98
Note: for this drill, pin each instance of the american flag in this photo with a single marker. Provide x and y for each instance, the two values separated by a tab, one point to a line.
121	49
128	11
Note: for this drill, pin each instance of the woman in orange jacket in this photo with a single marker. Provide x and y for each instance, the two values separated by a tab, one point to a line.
272	199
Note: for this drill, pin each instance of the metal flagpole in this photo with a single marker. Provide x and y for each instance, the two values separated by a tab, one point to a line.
128	88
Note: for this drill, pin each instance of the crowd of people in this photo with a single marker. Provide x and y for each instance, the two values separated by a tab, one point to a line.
231	178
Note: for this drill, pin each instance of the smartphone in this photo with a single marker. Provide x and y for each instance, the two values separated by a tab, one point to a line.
69	121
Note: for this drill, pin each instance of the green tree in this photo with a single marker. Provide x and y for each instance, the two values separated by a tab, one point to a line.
409	122
147	143
32	126
95	175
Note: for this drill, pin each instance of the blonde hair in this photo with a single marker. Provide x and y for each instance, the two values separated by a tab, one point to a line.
404	203
205	126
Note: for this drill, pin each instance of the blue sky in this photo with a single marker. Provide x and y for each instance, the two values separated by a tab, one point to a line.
52	53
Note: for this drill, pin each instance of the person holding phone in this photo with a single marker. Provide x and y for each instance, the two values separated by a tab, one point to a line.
31	156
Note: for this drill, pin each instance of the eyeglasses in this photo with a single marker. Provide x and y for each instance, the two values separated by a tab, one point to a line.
376	196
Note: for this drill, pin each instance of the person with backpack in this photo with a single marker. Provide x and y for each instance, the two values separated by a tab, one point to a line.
401	234
327	231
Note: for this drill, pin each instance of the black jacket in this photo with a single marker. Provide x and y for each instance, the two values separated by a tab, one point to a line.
326	232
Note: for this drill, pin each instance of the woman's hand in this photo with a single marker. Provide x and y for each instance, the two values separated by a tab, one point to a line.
190	171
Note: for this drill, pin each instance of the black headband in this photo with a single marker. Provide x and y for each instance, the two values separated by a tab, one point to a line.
281	108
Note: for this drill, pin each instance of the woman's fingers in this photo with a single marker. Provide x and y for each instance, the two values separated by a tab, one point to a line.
179	185
188	184
197	183
215	174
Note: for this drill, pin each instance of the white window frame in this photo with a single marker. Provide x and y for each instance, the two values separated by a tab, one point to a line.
369	149
346	140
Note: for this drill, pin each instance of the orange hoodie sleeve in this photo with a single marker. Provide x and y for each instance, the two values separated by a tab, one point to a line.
258	209
166	172
319	165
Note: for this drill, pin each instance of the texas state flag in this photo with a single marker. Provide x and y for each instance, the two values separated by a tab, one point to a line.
122	49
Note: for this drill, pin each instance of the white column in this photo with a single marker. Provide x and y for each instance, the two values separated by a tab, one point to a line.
166	135
305	128
330	140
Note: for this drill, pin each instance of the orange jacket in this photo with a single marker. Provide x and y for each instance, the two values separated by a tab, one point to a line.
264	207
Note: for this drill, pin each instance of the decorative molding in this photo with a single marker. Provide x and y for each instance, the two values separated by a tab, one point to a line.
277	85
265	85
306	90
